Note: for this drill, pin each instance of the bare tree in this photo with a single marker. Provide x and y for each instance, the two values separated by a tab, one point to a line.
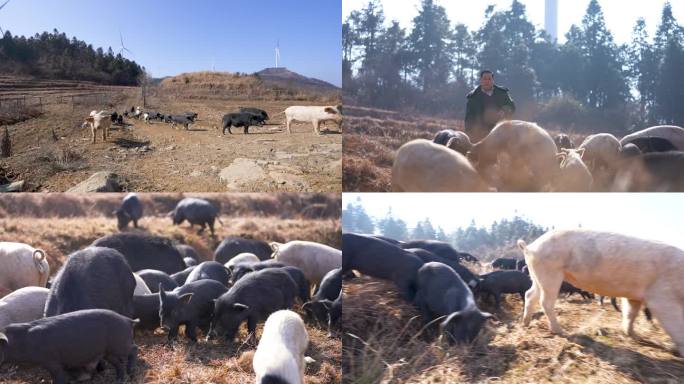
144	80
6	145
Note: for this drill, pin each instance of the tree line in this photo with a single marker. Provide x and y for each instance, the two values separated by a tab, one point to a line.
501	234
55	56
586	82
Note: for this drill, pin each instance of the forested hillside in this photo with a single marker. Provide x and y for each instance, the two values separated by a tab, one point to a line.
55	56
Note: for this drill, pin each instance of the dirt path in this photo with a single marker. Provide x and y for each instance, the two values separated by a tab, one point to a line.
156	157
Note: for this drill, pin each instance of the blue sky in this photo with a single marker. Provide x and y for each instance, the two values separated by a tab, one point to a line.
621	15
655	216
170	37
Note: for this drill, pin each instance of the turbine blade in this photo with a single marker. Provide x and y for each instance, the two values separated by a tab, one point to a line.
2	6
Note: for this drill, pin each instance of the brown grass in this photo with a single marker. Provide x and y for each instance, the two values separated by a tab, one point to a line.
17	115
207	85
282	205
384	341
205	362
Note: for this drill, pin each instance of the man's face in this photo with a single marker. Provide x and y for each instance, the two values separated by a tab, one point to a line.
487	82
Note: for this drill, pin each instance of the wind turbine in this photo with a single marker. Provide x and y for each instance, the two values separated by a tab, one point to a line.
1	7
277	53
123	47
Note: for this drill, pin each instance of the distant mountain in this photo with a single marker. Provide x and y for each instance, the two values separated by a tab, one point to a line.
285	78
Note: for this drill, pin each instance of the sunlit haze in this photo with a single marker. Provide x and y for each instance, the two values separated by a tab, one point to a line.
651	216
620	15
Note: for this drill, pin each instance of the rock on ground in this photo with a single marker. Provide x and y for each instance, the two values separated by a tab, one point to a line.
99	182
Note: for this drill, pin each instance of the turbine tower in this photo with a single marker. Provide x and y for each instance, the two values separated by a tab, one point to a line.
277	53
551	19
123	47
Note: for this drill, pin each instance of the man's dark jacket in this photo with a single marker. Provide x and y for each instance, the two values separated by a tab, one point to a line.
475	107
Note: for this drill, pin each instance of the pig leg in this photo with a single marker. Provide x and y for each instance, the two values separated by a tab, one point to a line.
423	308
173	333
132	356
135	223
119	363
630	310
406	290
57	373
670	313
550	283
497	299
531	300
211	226
191	331
251	329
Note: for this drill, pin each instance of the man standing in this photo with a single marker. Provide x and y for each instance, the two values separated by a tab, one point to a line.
487	105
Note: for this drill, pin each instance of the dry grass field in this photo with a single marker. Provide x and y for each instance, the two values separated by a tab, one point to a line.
51	151
384	342
372	136
62	224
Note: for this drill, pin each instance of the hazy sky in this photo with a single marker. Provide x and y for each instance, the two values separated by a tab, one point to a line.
646	215
172	36
621	15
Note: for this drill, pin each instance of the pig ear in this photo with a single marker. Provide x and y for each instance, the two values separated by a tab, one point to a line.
184	299
240	307
274	246
3	339
307	304
449	319
327	304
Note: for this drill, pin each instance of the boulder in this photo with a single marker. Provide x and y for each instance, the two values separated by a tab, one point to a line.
99	182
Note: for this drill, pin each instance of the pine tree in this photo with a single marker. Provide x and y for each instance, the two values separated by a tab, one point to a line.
671	85
607	85
643	70
431	44
392	227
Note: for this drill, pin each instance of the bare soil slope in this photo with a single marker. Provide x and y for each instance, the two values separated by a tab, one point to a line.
53	153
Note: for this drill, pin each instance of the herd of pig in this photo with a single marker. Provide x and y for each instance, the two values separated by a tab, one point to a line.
521	156
430	275
88	312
